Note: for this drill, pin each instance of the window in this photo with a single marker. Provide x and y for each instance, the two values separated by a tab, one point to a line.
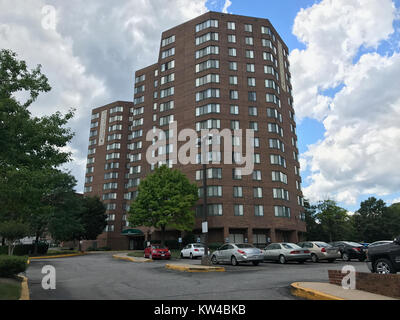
274	128
250	67
114	146
95	116
110	175
168	78
212	173
266	43
270	70
252	96
281	211
92	142
253	125
168	65
207	94
238	192
273	113
89	169
212	191
135	146
249	41
233	66
110	185
139	100
214	210
210	78
248	28
251	82
237	174
167	92
138	111
91	151
89	179
209	64
111	206
234	94
252	111
238	210
109	196
135	157
234	110
207	109
257	193
268	56
231	26
94	124
166	120
132	183
168	41
232	52
278	160
211	36
250	54
111	165
271	98
257	175
259	210
207	51
87	189
140	78
278	176
256	142
207	24
233	80
235	124
280	194
266	30
276	144
116	109
166	106
256	158
231	38
208	124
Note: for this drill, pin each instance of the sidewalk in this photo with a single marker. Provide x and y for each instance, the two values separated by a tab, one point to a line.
327	291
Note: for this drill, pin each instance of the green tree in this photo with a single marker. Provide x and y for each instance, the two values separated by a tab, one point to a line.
30	147
334	220
165	198
314	228
13	231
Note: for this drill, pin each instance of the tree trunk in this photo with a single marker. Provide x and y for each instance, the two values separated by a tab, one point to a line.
35	247
9	248
163	235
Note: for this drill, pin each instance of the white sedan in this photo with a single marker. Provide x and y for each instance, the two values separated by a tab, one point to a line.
192	251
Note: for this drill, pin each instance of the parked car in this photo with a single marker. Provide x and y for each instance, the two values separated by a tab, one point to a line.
350	250
384	258
192	251
378	243
236	253
285	251
157	251
320	250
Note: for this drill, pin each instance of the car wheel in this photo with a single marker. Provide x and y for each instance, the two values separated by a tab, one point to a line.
345	256
214	260
383	266
234	261
314	258
256	263
282	259
181	255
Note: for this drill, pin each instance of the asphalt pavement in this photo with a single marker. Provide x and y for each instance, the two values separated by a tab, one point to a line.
99	276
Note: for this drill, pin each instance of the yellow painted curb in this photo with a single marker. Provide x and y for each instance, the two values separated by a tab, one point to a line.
24	288
131	259
58	256
194	268
311	294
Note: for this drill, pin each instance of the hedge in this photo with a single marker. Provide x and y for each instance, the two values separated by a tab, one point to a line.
26	249
12	265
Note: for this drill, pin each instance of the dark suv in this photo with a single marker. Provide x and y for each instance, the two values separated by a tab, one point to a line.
350	250
384	258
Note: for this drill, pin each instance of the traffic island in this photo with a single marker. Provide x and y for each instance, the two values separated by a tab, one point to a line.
327	291
131	259
194	268
57	256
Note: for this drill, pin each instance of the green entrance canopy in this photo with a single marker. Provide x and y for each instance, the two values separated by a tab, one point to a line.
131	232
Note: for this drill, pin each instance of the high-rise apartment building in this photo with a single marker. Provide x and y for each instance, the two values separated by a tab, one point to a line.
217	71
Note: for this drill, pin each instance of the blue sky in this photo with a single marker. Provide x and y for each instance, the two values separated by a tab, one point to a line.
282	15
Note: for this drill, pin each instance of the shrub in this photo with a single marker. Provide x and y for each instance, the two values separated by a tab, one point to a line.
12	265
26	249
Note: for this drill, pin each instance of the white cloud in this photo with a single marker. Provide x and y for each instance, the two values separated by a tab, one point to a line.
91	56
227	4
357	155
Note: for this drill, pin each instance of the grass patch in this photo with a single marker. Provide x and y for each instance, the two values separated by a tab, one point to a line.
10	289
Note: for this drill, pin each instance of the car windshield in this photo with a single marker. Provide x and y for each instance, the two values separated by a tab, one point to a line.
159	247
354	244
244	246
322	245
198	246
290	246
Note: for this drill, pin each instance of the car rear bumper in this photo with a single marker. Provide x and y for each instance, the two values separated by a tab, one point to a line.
323	256
241	258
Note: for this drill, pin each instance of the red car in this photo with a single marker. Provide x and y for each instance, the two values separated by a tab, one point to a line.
157	251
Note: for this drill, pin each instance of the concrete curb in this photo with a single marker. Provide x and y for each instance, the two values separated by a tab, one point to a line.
131	259
24	288
57	256
310	294
186	268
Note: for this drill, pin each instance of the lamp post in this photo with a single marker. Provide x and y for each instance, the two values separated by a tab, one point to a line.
205	260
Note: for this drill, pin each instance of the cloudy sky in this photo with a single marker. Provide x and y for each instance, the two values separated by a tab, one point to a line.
345	64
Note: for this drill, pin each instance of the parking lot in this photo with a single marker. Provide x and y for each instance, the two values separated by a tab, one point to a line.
99	276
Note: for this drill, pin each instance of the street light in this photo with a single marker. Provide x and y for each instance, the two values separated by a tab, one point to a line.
205	259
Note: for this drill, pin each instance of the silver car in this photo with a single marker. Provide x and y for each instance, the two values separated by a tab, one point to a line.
321	251
236	253
286	251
